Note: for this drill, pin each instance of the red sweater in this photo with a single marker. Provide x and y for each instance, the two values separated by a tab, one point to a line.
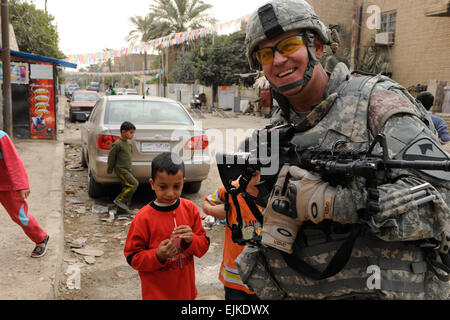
13	176
153	224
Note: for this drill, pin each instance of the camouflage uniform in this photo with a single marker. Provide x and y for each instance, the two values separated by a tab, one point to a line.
356	111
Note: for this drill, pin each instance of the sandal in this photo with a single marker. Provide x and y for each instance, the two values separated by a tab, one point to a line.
40	251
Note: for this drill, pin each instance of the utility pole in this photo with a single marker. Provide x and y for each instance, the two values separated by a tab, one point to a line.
354	34
6	54
45	6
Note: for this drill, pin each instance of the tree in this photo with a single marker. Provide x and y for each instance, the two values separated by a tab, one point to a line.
108	62
374	60
34	29
184	69
219	63
142	31
171	16
178	15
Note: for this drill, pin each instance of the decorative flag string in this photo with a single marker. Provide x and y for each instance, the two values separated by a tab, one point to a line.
155	44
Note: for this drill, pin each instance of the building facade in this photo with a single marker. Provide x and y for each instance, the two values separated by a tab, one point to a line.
412	34
134	62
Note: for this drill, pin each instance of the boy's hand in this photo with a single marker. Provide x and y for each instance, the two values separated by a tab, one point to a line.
24	193
165	250
183	232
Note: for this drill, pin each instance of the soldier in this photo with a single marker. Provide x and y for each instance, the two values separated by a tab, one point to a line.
331	245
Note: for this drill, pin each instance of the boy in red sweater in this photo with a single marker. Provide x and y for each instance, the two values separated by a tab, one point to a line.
165	235
14	189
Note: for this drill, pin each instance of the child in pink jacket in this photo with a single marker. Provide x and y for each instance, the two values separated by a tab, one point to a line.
14	189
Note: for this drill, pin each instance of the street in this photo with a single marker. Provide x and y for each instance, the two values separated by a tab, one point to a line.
99	271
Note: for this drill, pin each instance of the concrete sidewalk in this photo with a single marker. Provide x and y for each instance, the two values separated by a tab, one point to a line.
23	277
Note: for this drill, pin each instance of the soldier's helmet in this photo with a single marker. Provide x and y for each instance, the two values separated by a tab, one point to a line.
290	15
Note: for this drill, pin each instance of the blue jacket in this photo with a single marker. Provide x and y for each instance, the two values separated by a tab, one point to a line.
441	127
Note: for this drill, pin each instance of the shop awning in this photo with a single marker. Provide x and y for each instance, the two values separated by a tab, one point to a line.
32	56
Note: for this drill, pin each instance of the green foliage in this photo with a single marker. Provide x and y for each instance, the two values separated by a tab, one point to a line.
183	71
142	29
374	60
34	29
218	63
178	15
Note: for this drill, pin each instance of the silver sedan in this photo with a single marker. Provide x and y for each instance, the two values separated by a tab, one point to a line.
161	125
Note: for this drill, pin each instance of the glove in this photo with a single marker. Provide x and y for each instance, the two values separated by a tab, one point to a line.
293	201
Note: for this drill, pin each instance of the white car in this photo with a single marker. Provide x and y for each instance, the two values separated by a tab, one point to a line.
131	91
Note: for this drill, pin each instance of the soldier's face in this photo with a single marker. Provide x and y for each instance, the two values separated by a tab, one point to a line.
286	69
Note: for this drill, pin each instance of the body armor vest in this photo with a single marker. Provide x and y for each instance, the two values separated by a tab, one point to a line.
376	269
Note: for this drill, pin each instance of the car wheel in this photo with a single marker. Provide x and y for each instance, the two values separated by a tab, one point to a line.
71	117
192	187
95	189
83	159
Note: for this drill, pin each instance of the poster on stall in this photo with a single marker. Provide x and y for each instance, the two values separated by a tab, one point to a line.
19	72
42	109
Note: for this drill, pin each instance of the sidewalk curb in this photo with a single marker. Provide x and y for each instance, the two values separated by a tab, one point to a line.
57	191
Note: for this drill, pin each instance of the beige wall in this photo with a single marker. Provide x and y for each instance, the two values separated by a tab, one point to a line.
133	62
333	11
422	43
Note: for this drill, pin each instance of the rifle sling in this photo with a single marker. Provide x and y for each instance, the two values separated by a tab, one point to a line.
336	264
249	200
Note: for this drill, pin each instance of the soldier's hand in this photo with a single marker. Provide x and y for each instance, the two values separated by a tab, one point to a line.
303	197
309	196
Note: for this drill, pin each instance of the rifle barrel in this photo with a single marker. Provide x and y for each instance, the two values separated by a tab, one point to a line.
419	164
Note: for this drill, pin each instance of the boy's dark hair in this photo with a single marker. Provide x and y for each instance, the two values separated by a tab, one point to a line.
127	126
168	162
426	98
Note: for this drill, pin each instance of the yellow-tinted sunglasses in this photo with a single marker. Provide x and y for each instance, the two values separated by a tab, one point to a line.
285	47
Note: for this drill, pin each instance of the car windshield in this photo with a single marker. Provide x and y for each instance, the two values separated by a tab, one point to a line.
85	97
119	89
146	112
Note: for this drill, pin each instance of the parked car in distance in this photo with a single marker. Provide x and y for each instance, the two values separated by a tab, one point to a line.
94	86
119	91
131	91
81	104
162	125
70	90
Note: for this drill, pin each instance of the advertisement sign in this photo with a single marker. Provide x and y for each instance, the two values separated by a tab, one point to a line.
42	109
19	73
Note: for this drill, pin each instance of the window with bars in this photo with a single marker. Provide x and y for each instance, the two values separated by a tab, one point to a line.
388	21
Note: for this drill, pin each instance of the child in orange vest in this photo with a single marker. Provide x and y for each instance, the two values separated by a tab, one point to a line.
213	205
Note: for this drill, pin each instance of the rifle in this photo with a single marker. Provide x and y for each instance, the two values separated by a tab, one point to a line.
335	165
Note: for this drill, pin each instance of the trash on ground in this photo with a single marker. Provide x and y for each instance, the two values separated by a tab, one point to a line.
75	167
98	209
74	201
74	277
89	259
78	243
89	252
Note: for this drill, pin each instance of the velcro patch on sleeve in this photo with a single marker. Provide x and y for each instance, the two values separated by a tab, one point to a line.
383	105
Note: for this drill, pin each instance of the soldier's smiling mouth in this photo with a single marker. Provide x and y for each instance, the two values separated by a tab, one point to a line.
285	73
